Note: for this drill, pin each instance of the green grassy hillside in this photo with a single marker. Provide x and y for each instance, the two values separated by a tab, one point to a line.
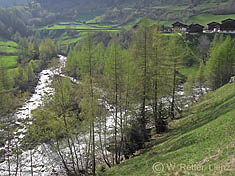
8	54
75	19
202	143
124	11
204	19
8	48
9	61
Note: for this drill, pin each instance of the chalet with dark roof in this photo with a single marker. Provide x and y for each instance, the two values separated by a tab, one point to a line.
195	28
213	26
180	26
227	25
227	20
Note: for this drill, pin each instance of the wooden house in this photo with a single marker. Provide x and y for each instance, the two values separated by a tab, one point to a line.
179	26
195	28
228	25
167	29
213	26
227	20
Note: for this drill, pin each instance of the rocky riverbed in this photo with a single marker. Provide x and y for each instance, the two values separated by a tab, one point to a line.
40	160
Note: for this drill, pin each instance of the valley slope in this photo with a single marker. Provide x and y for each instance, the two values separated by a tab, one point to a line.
202	143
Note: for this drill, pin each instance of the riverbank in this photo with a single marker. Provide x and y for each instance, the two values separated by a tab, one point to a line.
17	160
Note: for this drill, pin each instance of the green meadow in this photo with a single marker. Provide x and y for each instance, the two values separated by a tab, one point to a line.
8	47
9	61
204	19
201	143
80	26
8	57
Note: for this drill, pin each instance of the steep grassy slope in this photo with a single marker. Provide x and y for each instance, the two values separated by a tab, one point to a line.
202	143
8	53
8	48
204	19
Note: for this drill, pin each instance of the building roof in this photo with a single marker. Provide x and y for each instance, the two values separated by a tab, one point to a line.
195	25
228	20
179	24
213	24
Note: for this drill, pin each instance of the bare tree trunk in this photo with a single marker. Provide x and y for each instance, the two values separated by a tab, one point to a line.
31	162
116	103
81	158
101	145
105	139
8	147
173	92
92	126
121	130
17	159
155	108
62	158
88	151
127	100
69	143
76	157
93	150
92	108
71	153
143	111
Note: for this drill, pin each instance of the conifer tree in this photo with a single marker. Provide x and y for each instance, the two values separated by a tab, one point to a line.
158	76
114	82
88	63
220	66
176	52
142	53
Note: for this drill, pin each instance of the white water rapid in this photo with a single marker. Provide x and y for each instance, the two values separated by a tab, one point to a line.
43	161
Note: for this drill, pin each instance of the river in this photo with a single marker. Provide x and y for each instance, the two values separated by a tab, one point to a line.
42	159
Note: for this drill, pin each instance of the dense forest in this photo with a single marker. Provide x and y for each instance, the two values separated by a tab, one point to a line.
112	92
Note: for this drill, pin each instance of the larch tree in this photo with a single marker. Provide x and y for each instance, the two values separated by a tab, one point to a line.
176	52
58	123
220	66
89	104
72	64
47	50
142	52
114	89
158	76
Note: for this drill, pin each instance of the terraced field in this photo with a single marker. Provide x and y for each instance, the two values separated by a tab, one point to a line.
80	26
9	61
8	48
71	32
8	54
